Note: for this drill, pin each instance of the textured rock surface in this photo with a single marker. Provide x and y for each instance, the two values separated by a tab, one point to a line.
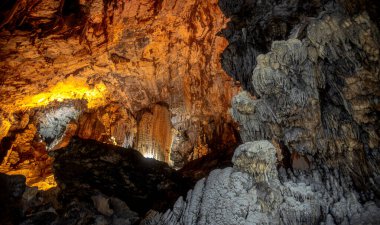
311	97
239	195
254	25
116	63
314	95
309	115
97	184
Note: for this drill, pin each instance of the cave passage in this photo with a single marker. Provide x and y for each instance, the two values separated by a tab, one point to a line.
189	112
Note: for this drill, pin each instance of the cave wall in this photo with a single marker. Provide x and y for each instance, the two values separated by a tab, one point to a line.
308	117
155	134
93	68
314	91
308	114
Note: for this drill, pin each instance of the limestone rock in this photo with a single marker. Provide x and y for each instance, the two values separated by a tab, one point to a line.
237	196
296	96
135	54
303	98
257	158
102	205
53	124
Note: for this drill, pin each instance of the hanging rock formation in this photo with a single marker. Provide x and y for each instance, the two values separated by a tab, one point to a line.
311	96
155	134
147	74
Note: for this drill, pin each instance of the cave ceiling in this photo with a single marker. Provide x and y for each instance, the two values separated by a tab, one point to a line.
140	73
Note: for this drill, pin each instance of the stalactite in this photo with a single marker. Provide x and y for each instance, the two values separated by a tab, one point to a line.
155	134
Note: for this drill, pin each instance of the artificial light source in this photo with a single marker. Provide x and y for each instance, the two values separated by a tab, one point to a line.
149	155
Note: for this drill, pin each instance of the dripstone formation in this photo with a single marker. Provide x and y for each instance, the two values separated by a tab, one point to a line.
308	113
309	117
253	192
142	74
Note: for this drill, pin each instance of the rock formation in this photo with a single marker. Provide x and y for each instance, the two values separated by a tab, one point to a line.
96	183
253	192
149	75
86	167
106	70
309	117
310	97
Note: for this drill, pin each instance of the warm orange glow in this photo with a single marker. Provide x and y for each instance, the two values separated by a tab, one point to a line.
71	88
43	184
46	184
4	127
155	135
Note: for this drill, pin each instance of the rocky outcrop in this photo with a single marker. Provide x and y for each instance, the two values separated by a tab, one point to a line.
87	167
252	193
96	184
254	25
309	114
309	95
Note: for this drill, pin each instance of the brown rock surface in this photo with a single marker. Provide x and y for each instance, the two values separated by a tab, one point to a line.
122	58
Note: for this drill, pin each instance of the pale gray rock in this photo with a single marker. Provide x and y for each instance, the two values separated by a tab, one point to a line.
237	196
257	158
310	95
307	103
53	124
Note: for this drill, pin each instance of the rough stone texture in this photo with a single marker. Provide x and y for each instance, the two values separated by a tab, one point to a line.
116	61
155	134
254	25
44	208
239	195
53	124
314	95
309	115
112	124
311	97
257	158
97	184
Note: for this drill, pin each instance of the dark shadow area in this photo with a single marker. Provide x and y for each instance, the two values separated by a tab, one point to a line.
86	167
93	176
71	8
254	25
11	189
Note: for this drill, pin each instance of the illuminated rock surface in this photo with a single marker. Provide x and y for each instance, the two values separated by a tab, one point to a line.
143	74
146	74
